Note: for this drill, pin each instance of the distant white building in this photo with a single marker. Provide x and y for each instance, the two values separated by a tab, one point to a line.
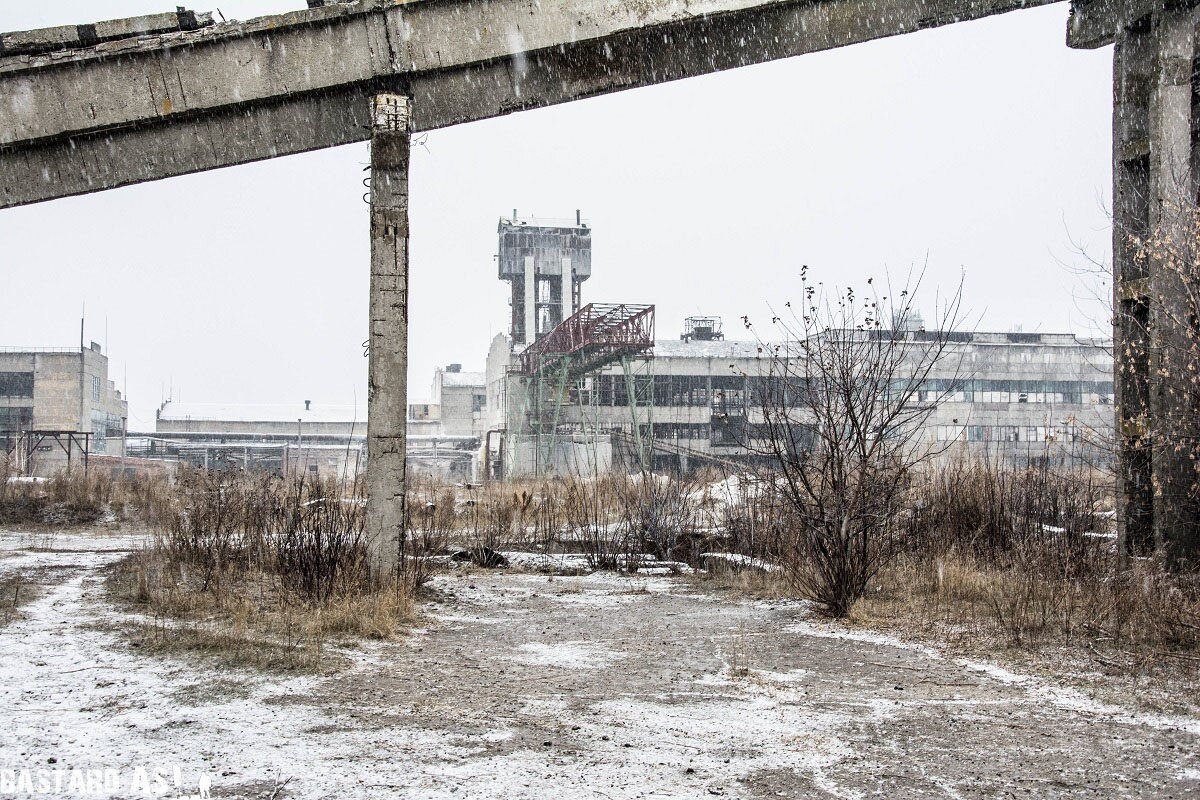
458	401
327	439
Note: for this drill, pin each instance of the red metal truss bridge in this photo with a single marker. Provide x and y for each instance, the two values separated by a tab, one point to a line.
593	337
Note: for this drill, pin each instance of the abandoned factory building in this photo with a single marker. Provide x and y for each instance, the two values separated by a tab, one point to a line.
58	405
1014	397
320	438
575	387
599	389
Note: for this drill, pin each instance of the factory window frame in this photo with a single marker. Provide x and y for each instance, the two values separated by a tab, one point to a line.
682	430
620	391
96	387
16	418
16	384
766	391
663	385
99	430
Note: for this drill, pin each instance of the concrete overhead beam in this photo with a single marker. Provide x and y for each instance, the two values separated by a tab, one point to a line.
1096	23
67	37
231	94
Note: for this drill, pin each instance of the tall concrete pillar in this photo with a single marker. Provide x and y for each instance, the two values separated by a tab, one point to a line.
565	291
531	330
1154	195
1173	326
387	395
1133	70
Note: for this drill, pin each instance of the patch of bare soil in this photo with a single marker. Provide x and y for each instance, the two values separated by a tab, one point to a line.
529	686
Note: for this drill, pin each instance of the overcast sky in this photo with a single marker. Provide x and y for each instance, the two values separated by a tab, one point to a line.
983	147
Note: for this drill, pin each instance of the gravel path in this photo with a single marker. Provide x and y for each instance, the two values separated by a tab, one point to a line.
524	686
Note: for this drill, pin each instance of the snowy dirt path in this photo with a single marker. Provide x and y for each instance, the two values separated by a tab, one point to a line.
523	686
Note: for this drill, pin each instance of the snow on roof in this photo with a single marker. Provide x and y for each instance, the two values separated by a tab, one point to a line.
262	412
463	379
722	348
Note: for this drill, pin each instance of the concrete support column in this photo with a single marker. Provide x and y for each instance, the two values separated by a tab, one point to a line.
530	300
387	395
1155	325
1133	71
1172	288
564	288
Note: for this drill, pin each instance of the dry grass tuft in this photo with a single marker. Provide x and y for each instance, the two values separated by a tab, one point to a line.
1026	559
745	582
1140	610
15	592
79	498
251	620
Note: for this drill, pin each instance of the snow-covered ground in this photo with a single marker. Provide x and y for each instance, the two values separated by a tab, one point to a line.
518	685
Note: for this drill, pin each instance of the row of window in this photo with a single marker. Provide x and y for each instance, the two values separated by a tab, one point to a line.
735	391
1007	433
1089	398
801	435
694	391
1017	391
681	430
20	384
738	432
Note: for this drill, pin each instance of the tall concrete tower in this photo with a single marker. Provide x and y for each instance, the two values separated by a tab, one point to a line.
545	261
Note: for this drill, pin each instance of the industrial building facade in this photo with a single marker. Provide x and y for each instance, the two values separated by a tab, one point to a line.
575	398
1016	397
58	405
318	438
575	388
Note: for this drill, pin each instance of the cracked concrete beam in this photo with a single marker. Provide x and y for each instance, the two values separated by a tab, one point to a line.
288	95
68	37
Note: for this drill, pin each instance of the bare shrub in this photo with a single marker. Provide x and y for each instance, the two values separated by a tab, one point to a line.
303	530
591	520
841	419
320	549
433	518
659	515
260	570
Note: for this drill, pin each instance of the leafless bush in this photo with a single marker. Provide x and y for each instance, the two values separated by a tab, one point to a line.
432	520
841	419
258	569
659	515
320	549
589	507
304	530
